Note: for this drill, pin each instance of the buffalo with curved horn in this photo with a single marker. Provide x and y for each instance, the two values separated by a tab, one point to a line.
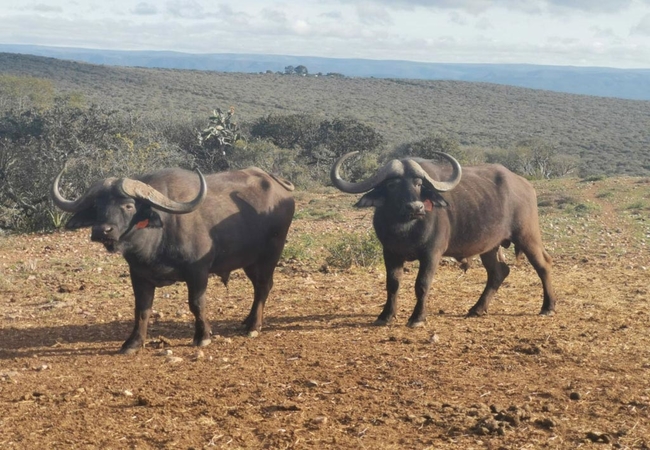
474	212
174	226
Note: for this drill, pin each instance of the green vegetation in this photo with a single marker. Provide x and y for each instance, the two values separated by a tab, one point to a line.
111	121
353	249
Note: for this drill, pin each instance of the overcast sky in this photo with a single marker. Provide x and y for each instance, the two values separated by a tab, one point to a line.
612	33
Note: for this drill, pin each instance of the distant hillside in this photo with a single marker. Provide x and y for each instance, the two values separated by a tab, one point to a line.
606	82
610	135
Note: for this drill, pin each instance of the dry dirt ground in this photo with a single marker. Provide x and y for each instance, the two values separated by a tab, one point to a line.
320	375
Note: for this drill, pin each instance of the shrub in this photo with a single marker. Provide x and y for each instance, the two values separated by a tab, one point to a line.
363	250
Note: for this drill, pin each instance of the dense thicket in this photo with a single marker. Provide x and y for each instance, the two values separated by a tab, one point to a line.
114	121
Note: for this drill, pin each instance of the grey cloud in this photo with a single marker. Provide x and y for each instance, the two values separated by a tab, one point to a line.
371	14
46	8
144	9
604	33
185	9
643	27
336	15
527	6
457	18
484	24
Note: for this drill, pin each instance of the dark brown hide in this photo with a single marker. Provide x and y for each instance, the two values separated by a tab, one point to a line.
241	223
490	207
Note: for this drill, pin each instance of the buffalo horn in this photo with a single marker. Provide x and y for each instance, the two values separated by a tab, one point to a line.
393	169
443	186
83	202
143	191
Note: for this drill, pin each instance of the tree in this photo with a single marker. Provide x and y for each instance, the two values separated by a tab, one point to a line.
287	131
288	70
23	93
301	70
216	140
532	158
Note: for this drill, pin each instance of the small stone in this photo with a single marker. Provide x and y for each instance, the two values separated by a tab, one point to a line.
434	338
128	393
312	383
199	355
575	396
253	334
319	420
166	352
174	359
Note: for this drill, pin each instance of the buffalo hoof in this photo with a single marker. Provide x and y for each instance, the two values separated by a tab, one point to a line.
202	342
547	312
415	323
129	350
381	322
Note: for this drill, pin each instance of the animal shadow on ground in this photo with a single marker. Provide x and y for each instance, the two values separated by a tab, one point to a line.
18	341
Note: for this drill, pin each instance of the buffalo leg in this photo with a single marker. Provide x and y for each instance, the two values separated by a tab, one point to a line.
428	266
497	271
144	292
541	262
261	275
394	271
197	284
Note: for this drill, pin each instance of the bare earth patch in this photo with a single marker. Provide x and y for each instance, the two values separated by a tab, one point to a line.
320	375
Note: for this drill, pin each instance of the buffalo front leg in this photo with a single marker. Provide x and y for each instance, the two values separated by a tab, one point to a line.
197	284
497	271
394	271
428	265
144	292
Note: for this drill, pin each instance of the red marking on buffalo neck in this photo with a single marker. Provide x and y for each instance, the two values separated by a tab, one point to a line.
142	224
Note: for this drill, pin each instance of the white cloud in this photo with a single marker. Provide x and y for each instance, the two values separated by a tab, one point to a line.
585	32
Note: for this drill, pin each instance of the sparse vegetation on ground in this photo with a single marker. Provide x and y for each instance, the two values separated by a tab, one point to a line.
320	375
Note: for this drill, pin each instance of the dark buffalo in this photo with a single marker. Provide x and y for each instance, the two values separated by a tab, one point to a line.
477	210
174	226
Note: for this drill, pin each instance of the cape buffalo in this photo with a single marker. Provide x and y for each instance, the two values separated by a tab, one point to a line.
477	210
173	225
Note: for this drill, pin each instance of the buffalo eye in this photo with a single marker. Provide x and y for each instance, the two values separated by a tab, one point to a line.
392	185
417	183
129	206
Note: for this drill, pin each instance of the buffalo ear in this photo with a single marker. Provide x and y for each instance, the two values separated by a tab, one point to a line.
372	198
148	218
82	219
436	199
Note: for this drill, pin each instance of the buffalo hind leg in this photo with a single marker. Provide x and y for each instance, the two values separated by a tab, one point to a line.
497	271
541	262
144	293
261	275
394	271
197	284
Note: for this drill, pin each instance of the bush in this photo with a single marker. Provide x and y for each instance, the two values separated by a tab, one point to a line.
363	250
